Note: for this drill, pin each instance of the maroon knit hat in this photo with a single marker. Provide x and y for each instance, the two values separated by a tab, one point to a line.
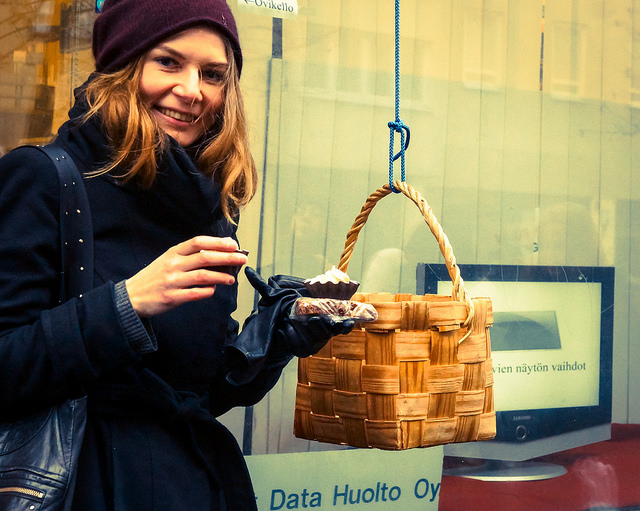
126	29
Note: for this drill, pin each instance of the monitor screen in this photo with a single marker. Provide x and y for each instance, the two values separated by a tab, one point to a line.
545	336
551	343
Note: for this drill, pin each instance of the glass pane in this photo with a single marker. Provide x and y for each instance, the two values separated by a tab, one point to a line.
44	53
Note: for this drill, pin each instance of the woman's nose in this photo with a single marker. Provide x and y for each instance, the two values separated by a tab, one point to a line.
189	84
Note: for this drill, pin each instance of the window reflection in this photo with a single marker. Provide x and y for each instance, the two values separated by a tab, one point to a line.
44	53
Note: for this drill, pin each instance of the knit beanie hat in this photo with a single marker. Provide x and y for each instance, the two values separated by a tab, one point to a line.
125	29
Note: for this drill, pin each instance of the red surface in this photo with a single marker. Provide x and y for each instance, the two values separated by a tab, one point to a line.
601	475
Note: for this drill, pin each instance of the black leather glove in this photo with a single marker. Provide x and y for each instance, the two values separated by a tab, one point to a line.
306	337
271	331
298	337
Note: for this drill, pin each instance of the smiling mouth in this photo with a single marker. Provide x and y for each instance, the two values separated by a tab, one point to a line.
179	116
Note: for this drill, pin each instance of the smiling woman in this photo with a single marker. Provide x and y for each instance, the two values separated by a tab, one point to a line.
182	89
183	81
159	132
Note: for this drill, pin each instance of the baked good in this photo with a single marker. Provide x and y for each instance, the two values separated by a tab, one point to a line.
338	309
332	284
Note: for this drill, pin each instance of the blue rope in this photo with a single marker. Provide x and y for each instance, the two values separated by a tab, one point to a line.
398	125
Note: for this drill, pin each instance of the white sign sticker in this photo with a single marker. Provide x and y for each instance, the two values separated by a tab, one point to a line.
369	479
272	8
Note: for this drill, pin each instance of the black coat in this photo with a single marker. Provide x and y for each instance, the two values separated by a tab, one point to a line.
152	441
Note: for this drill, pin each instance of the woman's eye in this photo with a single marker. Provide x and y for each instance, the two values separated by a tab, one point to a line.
213	75
166	61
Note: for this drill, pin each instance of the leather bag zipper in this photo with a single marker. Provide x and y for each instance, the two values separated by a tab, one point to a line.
23	491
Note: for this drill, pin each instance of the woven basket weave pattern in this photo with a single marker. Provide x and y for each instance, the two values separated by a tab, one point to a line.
420	375
401	388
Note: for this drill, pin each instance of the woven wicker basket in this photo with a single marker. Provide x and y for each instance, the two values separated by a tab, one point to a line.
420	375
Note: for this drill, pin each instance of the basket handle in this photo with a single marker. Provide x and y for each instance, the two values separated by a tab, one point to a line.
459	293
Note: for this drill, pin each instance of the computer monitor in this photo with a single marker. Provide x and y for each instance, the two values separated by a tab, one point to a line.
552	341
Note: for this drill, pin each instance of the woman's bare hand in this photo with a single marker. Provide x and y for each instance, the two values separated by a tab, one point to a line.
184	273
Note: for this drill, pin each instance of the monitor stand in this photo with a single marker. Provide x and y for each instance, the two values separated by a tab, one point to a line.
498	470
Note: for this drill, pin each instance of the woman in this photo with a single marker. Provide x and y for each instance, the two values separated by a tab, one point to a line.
159	132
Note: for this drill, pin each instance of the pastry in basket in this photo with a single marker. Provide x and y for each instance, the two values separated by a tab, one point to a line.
334	308
332	284
330	297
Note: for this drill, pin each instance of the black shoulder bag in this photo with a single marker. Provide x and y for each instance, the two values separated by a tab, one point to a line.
39	454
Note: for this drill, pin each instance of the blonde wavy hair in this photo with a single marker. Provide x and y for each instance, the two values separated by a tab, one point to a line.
137	141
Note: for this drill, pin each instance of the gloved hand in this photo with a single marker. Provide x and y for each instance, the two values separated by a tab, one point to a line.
298	337
305	338
271	332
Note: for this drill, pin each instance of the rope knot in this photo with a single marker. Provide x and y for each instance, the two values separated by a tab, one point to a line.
398	126
405	135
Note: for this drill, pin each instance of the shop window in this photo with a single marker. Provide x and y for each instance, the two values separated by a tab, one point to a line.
45	53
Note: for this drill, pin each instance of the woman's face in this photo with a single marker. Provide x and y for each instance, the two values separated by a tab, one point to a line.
182	82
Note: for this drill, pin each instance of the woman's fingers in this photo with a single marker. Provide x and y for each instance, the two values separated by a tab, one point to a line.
198	243
215	254
186	272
